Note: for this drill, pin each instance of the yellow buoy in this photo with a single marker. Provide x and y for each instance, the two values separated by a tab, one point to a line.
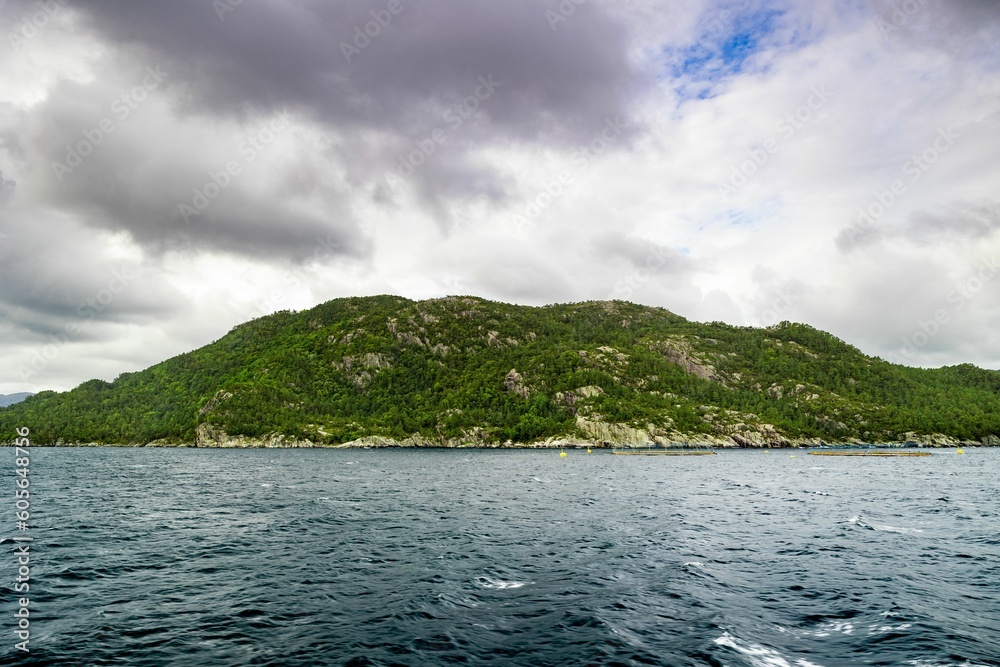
588	450
960	451
562	454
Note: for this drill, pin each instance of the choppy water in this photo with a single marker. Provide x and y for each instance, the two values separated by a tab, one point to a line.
404	557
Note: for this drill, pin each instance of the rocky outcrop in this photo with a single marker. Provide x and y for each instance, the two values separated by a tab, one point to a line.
611	433
591	433
513	382
611	352
570	398
408	338
679	351
207	435
931	440
220	396
472	438
361	368
756	435
732	436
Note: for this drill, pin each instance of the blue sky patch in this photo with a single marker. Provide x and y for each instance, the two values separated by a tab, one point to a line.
727	40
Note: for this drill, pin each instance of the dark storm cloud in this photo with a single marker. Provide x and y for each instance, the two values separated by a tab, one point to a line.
480	72
63	275
960	26
133	178
558	82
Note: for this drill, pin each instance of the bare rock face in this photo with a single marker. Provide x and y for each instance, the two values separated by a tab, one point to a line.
930	439
590	391
220	396
570	398
991	441
361	368
679	351
515	383
756	435
207	435
611	433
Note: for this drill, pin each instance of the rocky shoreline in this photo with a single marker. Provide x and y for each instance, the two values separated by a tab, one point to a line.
618	436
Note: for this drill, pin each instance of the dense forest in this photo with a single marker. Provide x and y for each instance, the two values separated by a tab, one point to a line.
464	370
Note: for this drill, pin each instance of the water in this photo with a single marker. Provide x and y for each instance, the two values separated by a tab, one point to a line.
430	557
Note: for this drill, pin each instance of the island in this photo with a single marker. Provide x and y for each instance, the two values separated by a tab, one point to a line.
463	371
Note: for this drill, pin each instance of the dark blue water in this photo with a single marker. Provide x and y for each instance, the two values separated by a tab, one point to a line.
406	557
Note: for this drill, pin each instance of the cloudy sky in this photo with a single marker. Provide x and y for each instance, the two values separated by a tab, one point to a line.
171	169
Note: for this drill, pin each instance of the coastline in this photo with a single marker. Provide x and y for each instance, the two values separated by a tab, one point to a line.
592	435
376	442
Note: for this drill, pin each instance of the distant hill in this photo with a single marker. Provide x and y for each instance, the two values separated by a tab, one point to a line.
11	399
466	371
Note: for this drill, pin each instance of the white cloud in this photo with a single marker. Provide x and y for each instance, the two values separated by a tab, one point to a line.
820	119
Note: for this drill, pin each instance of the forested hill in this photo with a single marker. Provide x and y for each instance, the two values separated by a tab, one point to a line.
11	399
466	371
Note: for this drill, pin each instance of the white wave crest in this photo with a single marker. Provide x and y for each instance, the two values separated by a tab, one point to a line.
758	655
498	584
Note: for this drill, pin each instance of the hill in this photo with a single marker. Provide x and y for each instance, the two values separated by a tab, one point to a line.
467	371
11	399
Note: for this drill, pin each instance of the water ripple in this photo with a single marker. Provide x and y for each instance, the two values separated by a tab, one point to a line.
195	557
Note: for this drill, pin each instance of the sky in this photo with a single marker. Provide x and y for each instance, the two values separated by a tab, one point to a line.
169	170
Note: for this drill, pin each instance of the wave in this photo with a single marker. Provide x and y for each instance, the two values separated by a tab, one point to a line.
498	584
759	655
862	523
831	628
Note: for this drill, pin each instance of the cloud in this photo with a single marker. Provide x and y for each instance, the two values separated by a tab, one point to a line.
272	155
967	27
271	55
968	222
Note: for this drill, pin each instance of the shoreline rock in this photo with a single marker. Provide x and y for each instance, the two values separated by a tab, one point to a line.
591	433
209	438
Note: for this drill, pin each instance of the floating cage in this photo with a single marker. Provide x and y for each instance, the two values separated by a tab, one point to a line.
662	451
866	452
